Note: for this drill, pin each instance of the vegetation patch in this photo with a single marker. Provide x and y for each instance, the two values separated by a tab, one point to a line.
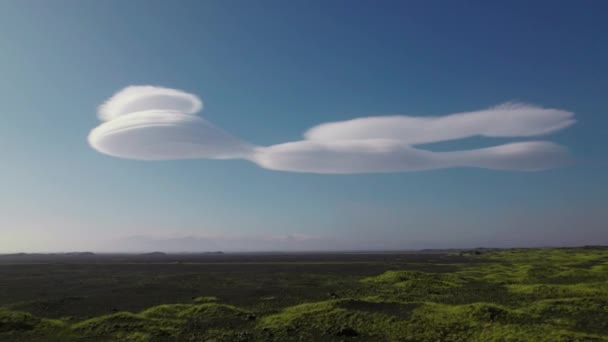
499	295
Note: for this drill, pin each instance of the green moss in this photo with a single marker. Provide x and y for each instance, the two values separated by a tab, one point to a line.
17	321
121	322
398	277
17	325
294	313
544	333
329	320
165	311
135	337
212	311
507	295
206	299
583	314
560	291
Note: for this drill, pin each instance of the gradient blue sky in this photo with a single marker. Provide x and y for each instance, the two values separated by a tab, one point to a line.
269	70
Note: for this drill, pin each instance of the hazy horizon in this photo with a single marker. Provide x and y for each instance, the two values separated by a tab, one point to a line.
193	245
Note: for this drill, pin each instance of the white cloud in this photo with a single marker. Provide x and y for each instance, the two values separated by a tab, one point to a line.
152	123
507	120
139	98
376	156
164	135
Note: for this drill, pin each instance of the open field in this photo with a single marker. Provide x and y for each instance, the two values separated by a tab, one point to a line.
505	295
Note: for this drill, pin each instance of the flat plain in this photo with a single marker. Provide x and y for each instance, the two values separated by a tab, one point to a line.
550	294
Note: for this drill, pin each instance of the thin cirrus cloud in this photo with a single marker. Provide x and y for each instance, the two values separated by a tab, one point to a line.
154	123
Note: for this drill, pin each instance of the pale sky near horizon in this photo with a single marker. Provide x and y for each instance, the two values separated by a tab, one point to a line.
268	71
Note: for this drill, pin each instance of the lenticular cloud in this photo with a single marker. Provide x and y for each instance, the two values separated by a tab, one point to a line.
154	123
507	120
139	98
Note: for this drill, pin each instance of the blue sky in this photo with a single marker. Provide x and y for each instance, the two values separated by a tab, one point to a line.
268	71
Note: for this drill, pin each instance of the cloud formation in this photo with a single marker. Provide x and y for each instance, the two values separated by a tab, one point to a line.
139	98
506	120
154	123
163	135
